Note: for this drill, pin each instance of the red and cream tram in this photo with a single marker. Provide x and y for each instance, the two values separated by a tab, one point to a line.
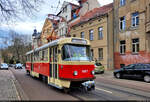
63	63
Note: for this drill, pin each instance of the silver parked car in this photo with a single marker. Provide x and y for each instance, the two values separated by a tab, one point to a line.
4	66
18	66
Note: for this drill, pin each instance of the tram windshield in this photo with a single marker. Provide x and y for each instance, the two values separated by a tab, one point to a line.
75	53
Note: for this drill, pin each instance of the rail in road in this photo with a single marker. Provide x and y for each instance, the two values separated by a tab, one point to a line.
132	84
111	92
103	91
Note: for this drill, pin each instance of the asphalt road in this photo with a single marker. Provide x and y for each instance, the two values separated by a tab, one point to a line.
37	90
107	88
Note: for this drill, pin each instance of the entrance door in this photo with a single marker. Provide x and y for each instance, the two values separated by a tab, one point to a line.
32	62
53	64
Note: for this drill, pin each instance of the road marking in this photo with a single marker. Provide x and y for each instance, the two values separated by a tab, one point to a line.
103	90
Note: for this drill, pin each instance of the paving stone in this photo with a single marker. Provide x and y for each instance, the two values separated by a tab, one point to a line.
7	87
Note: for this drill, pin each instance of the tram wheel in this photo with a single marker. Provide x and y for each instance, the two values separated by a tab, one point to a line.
40	77
45	79
66	90
28	73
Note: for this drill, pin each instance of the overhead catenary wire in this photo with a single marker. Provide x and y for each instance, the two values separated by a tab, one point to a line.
57	6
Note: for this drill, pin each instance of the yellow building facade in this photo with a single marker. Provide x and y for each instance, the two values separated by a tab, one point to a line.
131	32
99	30
49	31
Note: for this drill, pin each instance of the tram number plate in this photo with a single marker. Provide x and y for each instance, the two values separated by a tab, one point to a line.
84	71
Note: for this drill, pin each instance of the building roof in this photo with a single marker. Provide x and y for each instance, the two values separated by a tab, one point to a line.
55	23
74	6
93	13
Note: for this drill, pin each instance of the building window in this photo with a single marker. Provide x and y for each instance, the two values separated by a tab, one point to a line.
66	17
122	65
122	23
122	47
135	19
92	54
82	34
132	0
122	2
66	30
74	35
62	32
135	45
91	35
100	33
100	53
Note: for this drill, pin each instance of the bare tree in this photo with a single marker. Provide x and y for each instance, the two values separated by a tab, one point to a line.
12	9
19	46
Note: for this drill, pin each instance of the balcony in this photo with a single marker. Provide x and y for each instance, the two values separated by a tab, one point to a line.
148	27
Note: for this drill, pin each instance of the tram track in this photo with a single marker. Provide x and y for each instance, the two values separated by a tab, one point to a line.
111	92
93	95
123	91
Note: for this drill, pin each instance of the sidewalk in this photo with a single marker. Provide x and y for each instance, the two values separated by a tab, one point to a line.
8	89
106	74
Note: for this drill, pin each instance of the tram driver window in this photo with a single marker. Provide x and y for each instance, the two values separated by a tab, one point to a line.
75	53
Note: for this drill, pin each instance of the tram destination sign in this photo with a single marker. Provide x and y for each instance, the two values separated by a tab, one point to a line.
80	41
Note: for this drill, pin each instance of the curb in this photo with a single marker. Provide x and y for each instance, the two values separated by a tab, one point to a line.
13	81
20	92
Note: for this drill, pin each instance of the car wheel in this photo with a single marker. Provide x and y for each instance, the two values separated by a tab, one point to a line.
147	78
118	75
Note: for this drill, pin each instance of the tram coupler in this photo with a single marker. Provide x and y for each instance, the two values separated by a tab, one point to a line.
88	85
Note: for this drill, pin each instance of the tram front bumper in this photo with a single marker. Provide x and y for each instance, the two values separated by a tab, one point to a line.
89	85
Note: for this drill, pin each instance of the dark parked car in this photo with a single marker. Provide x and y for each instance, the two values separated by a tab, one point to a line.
136	71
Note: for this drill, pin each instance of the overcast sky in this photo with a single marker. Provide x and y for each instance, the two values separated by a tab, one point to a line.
28	24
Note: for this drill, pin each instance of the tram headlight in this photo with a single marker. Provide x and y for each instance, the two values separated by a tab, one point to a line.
75	73
93	72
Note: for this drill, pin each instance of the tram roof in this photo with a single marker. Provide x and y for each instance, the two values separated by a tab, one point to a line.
56	42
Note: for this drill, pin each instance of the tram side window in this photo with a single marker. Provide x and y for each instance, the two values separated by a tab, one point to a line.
45	55
36	56
40	56
50	54
28	57
56	54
